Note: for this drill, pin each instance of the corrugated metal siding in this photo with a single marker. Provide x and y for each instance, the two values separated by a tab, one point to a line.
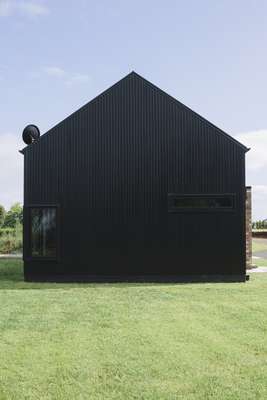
110	167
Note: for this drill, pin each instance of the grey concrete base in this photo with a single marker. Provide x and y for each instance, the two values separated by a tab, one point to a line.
259	269
7	256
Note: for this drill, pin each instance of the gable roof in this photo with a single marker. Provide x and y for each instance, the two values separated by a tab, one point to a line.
171	98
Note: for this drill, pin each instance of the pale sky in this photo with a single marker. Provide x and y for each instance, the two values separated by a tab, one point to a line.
57	55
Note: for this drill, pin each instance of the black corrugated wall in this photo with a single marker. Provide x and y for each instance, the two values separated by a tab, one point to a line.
110	167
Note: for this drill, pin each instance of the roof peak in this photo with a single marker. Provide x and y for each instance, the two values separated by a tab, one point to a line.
152	85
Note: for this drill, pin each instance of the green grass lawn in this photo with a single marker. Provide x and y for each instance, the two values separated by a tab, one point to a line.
258	245
132	341
259	262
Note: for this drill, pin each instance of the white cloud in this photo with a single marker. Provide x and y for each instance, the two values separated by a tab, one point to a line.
257	142
5	8
256	169
76	79
32	8
28	8
259	201
55	71
260	191
11	169
70	79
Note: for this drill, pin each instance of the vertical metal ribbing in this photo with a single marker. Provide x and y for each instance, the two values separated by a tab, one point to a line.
111	165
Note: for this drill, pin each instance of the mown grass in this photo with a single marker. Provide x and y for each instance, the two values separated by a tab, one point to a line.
259	262
132	341
259	245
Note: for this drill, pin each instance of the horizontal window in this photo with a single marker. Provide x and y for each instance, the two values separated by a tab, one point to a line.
200	202
43	232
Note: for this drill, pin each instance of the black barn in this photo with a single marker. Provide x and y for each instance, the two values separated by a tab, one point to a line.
134	186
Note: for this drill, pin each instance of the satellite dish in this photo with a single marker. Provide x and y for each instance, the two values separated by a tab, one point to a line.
30	134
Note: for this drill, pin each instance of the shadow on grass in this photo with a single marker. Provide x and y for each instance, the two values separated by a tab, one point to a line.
12	278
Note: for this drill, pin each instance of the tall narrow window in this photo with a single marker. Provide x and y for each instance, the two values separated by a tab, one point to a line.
43	225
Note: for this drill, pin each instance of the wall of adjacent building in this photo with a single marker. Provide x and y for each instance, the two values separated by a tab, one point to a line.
248	227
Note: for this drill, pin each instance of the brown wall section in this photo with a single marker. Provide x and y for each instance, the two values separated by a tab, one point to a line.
248	228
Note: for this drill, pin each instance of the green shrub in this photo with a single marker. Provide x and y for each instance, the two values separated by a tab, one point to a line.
11	239
2	215
5	231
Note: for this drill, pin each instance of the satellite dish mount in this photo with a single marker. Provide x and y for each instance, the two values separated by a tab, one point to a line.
30	134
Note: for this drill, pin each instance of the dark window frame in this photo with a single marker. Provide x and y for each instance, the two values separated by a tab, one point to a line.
28	231
173	209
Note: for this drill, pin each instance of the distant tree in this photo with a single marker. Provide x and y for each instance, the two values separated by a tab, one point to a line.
261	224
13	216
2	215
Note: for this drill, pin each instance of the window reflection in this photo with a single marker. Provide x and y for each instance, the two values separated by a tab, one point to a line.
43	232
